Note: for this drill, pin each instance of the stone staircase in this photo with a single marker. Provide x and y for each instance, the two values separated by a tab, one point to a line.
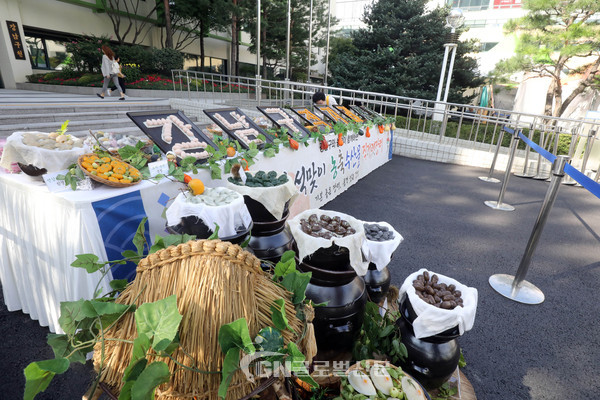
97	117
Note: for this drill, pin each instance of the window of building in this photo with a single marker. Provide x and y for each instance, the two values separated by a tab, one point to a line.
470	5
211	64
488	46
46	49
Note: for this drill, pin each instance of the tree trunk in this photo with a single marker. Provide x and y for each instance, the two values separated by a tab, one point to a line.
202	44
557	99
234	41
169	40
589	76
549	97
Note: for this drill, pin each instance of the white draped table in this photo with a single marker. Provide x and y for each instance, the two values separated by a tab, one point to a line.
41	232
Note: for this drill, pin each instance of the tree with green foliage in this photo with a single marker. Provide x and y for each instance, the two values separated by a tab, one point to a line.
557	37
131	19
273	40
400	52
193	20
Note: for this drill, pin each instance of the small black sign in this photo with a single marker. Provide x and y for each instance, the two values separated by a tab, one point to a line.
15	39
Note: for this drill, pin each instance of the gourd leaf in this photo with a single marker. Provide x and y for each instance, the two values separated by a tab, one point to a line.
118	284
296	282
269	339
139	240
278	315
252	153
295	362
236	335
87	261
230	365
269	153
61	346
151	377
159	321
39	374
215	172
286	265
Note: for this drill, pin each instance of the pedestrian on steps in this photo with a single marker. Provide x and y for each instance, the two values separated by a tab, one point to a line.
121	77
110	70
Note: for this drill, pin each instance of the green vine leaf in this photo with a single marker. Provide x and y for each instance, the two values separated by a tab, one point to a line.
39	374
236	335
269	339
118	285
87	261
278	315
296	364
285	266
139	240
230	365
159	321
150	378
296	282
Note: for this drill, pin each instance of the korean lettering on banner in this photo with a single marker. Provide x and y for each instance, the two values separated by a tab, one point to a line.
372	149
15	40
306	177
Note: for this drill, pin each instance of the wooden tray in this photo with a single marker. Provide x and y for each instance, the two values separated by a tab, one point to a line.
106	181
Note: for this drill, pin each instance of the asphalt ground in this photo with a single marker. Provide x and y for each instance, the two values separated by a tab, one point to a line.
514	351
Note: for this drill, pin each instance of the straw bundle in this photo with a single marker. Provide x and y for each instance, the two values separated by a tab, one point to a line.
215	283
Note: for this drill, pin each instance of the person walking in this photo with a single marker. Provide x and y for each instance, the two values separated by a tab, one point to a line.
110	70
121	77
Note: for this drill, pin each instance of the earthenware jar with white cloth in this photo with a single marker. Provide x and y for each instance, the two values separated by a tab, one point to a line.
430	330
382	241
199	215
329	246
269	208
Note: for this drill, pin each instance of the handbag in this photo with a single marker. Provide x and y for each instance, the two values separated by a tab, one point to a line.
115	69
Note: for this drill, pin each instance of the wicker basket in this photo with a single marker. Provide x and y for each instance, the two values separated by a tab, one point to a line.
215	283
102	180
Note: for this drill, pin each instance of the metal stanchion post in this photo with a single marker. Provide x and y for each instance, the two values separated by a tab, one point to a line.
544	141
555	148
524	174
493	166
572	146
517	288
499	205
588	150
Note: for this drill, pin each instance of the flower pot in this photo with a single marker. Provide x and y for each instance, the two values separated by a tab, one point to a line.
431	360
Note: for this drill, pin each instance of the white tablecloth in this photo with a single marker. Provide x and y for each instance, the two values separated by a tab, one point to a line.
41	232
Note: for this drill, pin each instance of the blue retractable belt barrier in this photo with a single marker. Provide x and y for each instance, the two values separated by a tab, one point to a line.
588	183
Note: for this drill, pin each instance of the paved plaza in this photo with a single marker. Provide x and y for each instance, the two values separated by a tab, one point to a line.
514	351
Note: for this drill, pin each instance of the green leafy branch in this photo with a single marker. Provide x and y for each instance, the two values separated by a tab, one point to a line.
379	335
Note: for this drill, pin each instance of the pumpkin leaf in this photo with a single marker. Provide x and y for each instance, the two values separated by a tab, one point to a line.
159	321
296	282
278	315
150	378
230	365
87	261
236	335
39	374
269	339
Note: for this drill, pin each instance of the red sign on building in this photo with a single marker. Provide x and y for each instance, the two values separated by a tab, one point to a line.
507	3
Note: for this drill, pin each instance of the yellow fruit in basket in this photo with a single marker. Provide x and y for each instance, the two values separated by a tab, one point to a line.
125	180
110	178
196	186
103	176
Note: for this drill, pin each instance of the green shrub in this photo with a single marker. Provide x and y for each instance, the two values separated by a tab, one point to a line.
164	60
35	78
135	54
132	72
68	72
51	75
86	53
88	78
